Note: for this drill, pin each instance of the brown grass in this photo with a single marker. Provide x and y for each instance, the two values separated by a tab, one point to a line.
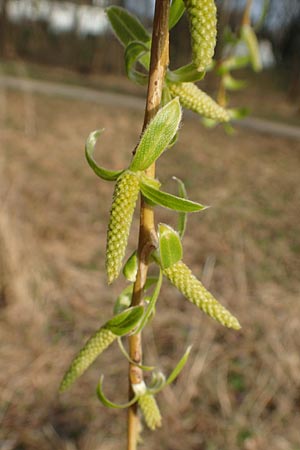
239	390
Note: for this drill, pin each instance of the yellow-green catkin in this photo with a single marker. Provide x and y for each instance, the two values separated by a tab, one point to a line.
124	201
94	346
202	16
181	276
150	410
191	97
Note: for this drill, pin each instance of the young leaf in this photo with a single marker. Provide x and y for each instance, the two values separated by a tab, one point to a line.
134	53
176	11
185	74
182	219
152	303
170	201
157	136
104	400
232	84
109	175
130	268
170	248
233	63
124	299
141	366
126	26
174	374
125	321
249	36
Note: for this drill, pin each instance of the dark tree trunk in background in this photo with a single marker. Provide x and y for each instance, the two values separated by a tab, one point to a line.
3	27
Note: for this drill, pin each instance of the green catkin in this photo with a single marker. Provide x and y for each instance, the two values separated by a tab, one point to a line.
191	97
202	15
150	411
124	201
181	277
94	346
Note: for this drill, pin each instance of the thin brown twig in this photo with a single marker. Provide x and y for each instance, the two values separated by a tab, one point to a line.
147	235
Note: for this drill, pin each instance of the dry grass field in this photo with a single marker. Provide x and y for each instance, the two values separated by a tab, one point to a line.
239	390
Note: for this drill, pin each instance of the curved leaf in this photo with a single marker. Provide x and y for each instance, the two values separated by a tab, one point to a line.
170	248
233	63
168	200
141	366
249	36
157	136
125	321
232	84
182	219
185	74
151	304
123	300
136	52
104	400
126	26
109	175
174	374
131	267
176	11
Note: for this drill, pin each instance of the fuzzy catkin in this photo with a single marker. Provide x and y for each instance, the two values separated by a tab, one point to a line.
94	346
124	201
150	411
202	15
191	97
181	277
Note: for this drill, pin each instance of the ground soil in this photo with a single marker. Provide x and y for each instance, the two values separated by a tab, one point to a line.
239	390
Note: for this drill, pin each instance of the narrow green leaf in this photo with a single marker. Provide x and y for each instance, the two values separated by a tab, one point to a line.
182	216
134	53
168	200
174	374
233	63
109	175
151	305
141	366
249	36
238	113
157	383
176	11
124	299
125	321
126	26
130	268
170	248
232	84
157	136
187	73
104	400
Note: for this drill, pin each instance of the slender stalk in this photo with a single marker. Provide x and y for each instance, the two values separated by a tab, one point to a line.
147	234
246	15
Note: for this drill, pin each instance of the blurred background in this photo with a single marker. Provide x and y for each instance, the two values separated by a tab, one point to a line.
62	76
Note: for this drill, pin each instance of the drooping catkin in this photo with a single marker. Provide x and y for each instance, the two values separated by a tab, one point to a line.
181	277
150	411
202	15
93	348
124	201
191	97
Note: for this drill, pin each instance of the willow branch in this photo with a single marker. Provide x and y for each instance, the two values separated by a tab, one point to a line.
147	235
